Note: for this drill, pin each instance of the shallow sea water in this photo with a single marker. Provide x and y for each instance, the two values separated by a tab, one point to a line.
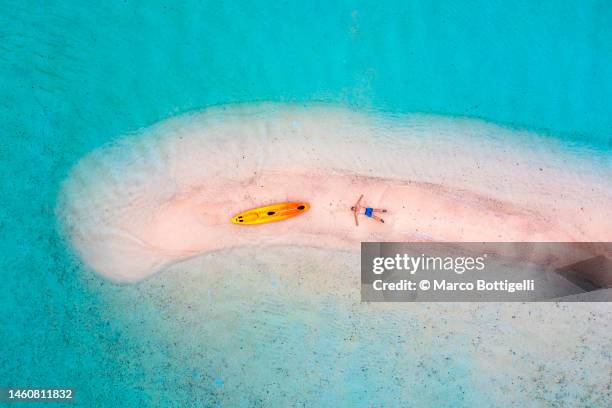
213	331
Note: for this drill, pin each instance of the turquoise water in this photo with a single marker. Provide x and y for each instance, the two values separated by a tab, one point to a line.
74	77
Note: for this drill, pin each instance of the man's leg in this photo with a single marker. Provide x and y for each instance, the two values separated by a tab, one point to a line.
378	219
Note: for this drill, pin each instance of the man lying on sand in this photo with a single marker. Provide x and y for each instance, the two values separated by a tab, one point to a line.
367	211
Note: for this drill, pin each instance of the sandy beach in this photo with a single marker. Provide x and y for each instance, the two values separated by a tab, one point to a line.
167	193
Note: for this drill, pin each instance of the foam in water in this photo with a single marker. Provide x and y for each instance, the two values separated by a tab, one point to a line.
167	193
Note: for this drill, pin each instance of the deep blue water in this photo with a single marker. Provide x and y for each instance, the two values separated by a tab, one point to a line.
74	76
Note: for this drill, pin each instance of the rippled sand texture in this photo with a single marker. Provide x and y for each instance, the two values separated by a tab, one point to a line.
167	193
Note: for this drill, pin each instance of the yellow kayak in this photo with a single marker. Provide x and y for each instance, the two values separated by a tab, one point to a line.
270	213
